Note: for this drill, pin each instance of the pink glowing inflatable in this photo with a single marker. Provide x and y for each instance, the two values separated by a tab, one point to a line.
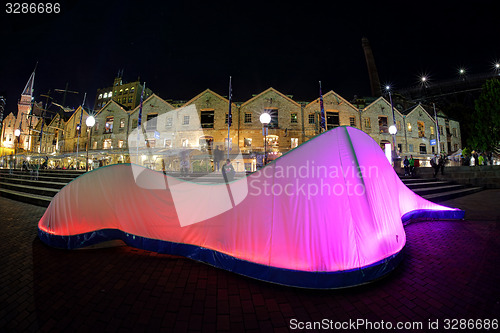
328	214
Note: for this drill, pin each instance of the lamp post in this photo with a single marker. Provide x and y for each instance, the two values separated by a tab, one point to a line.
90	122
265	119
392	129
17	134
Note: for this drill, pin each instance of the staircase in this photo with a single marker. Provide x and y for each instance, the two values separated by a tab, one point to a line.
22	186
436	190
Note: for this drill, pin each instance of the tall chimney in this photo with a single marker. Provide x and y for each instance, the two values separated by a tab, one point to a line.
372	69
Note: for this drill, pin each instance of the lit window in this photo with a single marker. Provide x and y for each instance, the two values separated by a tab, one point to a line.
120	143
168	143
109	125
105	95
421	129
409	128
106	144
293	118
185	142
294	142
248	142
100	96
368	123
122	123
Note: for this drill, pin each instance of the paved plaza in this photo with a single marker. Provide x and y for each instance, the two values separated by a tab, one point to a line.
450	272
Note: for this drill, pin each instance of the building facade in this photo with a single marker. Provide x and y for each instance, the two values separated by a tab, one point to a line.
127	94
201	124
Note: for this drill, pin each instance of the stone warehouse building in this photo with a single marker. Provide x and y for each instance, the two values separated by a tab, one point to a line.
200	124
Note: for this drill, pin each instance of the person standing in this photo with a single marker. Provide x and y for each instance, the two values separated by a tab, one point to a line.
442	162
480	159
228	171
406	164
412	165
217	158
435	165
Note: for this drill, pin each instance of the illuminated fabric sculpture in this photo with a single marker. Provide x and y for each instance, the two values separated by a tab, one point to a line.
328	214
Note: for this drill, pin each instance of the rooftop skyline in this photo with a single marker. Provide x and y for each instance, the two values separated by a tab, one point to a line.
181	49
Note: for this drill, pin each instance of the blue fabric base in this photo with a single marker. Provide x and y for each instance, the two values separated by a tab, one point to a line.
429	214
288	277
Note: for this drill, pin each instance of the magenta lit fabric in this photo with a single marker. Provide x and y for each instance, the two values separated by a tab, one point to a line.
332	204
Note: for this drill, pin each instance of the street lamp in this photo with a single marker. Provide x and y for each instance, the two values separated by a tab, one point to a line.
392	129
90	122
17	133
265	119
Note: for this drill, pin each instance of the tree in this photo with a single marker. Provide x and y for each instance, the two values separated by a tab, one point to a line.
486	117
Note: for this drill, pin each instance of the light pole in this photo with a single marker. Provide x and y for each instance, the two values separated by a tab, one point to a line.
90	122
17	134
265	119
392	129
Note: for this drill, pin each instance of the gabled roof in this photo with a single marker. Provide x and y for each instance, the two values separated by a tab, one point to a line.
111	101
419	106
210	92
266	91
147	101
385	102
76	112
337	96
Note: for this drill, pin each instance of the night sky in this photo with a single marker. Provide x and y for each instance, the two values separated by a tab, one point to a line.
180	48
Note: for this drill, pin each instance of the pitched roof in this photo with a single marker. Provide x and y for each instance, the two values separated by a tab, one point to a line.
266	91
207	91
337	97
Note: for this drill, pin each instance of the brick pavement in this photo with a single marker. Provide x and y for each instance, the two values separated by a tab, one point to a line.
450	271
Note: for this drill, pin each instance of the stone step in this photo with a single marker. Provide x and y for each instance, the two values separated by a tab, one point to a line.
414	186
33	182
68	174
443	196
418	180
34	199
437	189
43	191
41	178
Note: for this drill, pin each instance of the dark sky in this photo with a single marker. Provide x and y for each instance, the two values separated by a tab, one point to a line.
181	48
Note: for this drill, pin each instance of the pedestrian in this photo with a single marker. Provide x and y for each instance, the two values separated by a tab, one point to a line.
228	171
480	160
435	165
406	164
217	158
442	162
184	163
412	165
